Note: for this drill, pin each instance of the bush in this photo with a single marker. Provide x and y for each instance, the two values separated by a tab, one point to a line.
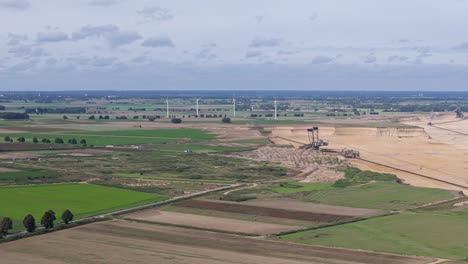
29	223
176	120
226	120
7	138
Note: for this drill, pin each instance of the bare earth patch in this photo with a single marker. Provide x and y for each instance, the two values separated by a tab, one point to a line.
3	169
212	223
233	207
123	242
313	207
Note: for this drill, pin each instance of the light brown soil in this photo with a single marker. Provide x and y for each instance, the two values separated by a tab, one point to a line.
312	207
3	169
212	223
425	150
242	208
10	131
122	242
314	166
18	155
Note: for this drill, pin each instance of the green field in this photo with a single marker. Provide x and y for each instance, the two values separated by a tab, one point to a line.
379	195
431	234
290	187
124	137
82	199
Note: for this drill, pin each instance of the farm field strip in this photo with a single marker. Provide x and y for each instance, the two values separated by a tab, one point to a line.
22	200
211	223
262	211
142	243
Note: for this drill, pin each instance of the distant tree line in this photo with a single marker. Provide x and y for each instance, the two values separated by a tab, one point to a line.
14	116
29	222
64	110
35	140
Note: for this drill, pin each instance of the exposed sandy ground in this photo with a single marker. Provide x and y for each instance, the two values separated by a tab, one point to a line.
312	207
425	150
3	169
247	209
213	223
10	131
314	167
122	242
17	155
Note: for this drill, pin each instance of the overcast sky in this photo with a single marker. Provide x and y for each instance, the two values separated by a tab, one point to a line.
234	45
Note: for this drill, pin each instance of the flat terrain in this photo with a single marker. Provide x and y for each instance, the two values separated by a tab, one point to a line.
312	207
130	242
233	207
431	234
380	195
122	137
82	199
211	223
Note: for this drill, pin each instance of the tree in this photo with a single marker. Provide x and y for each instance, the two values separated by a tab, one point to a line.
92	117
35	140
72	141
29	223
226	120
7	138
176	120
5	225
47	220
21	139
83	142
67	216
65	117
58	141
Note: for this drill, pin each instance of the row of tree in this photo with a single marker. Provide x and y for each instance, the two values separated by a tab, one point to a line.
29	223
35	140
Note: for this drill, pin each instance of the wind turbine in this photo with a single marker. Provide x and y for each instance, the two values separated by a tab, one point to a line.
198	99
276	111
167	108
234	106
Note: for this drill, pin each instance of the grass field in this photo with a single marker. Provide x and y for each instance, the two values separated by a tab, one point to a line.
124	137
380	195
82	199
429	234
297	187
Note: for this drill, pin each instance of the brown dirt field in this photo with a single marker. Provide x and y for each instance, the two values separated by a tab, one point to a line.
12	131
233	207
122	242
425	150
18	155
313	207
314	166
3	169
212	223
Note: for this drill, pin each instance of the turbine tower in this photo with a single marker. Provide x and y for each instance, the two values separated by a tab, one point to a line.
198	99
234	106
167	108
276	111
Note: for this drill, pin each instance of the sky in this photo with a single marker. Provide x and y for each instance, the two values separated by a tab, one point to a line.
234	45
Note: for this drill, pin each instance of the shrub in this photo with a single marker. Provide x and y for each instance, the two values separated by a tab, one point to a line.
176	120
226	120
